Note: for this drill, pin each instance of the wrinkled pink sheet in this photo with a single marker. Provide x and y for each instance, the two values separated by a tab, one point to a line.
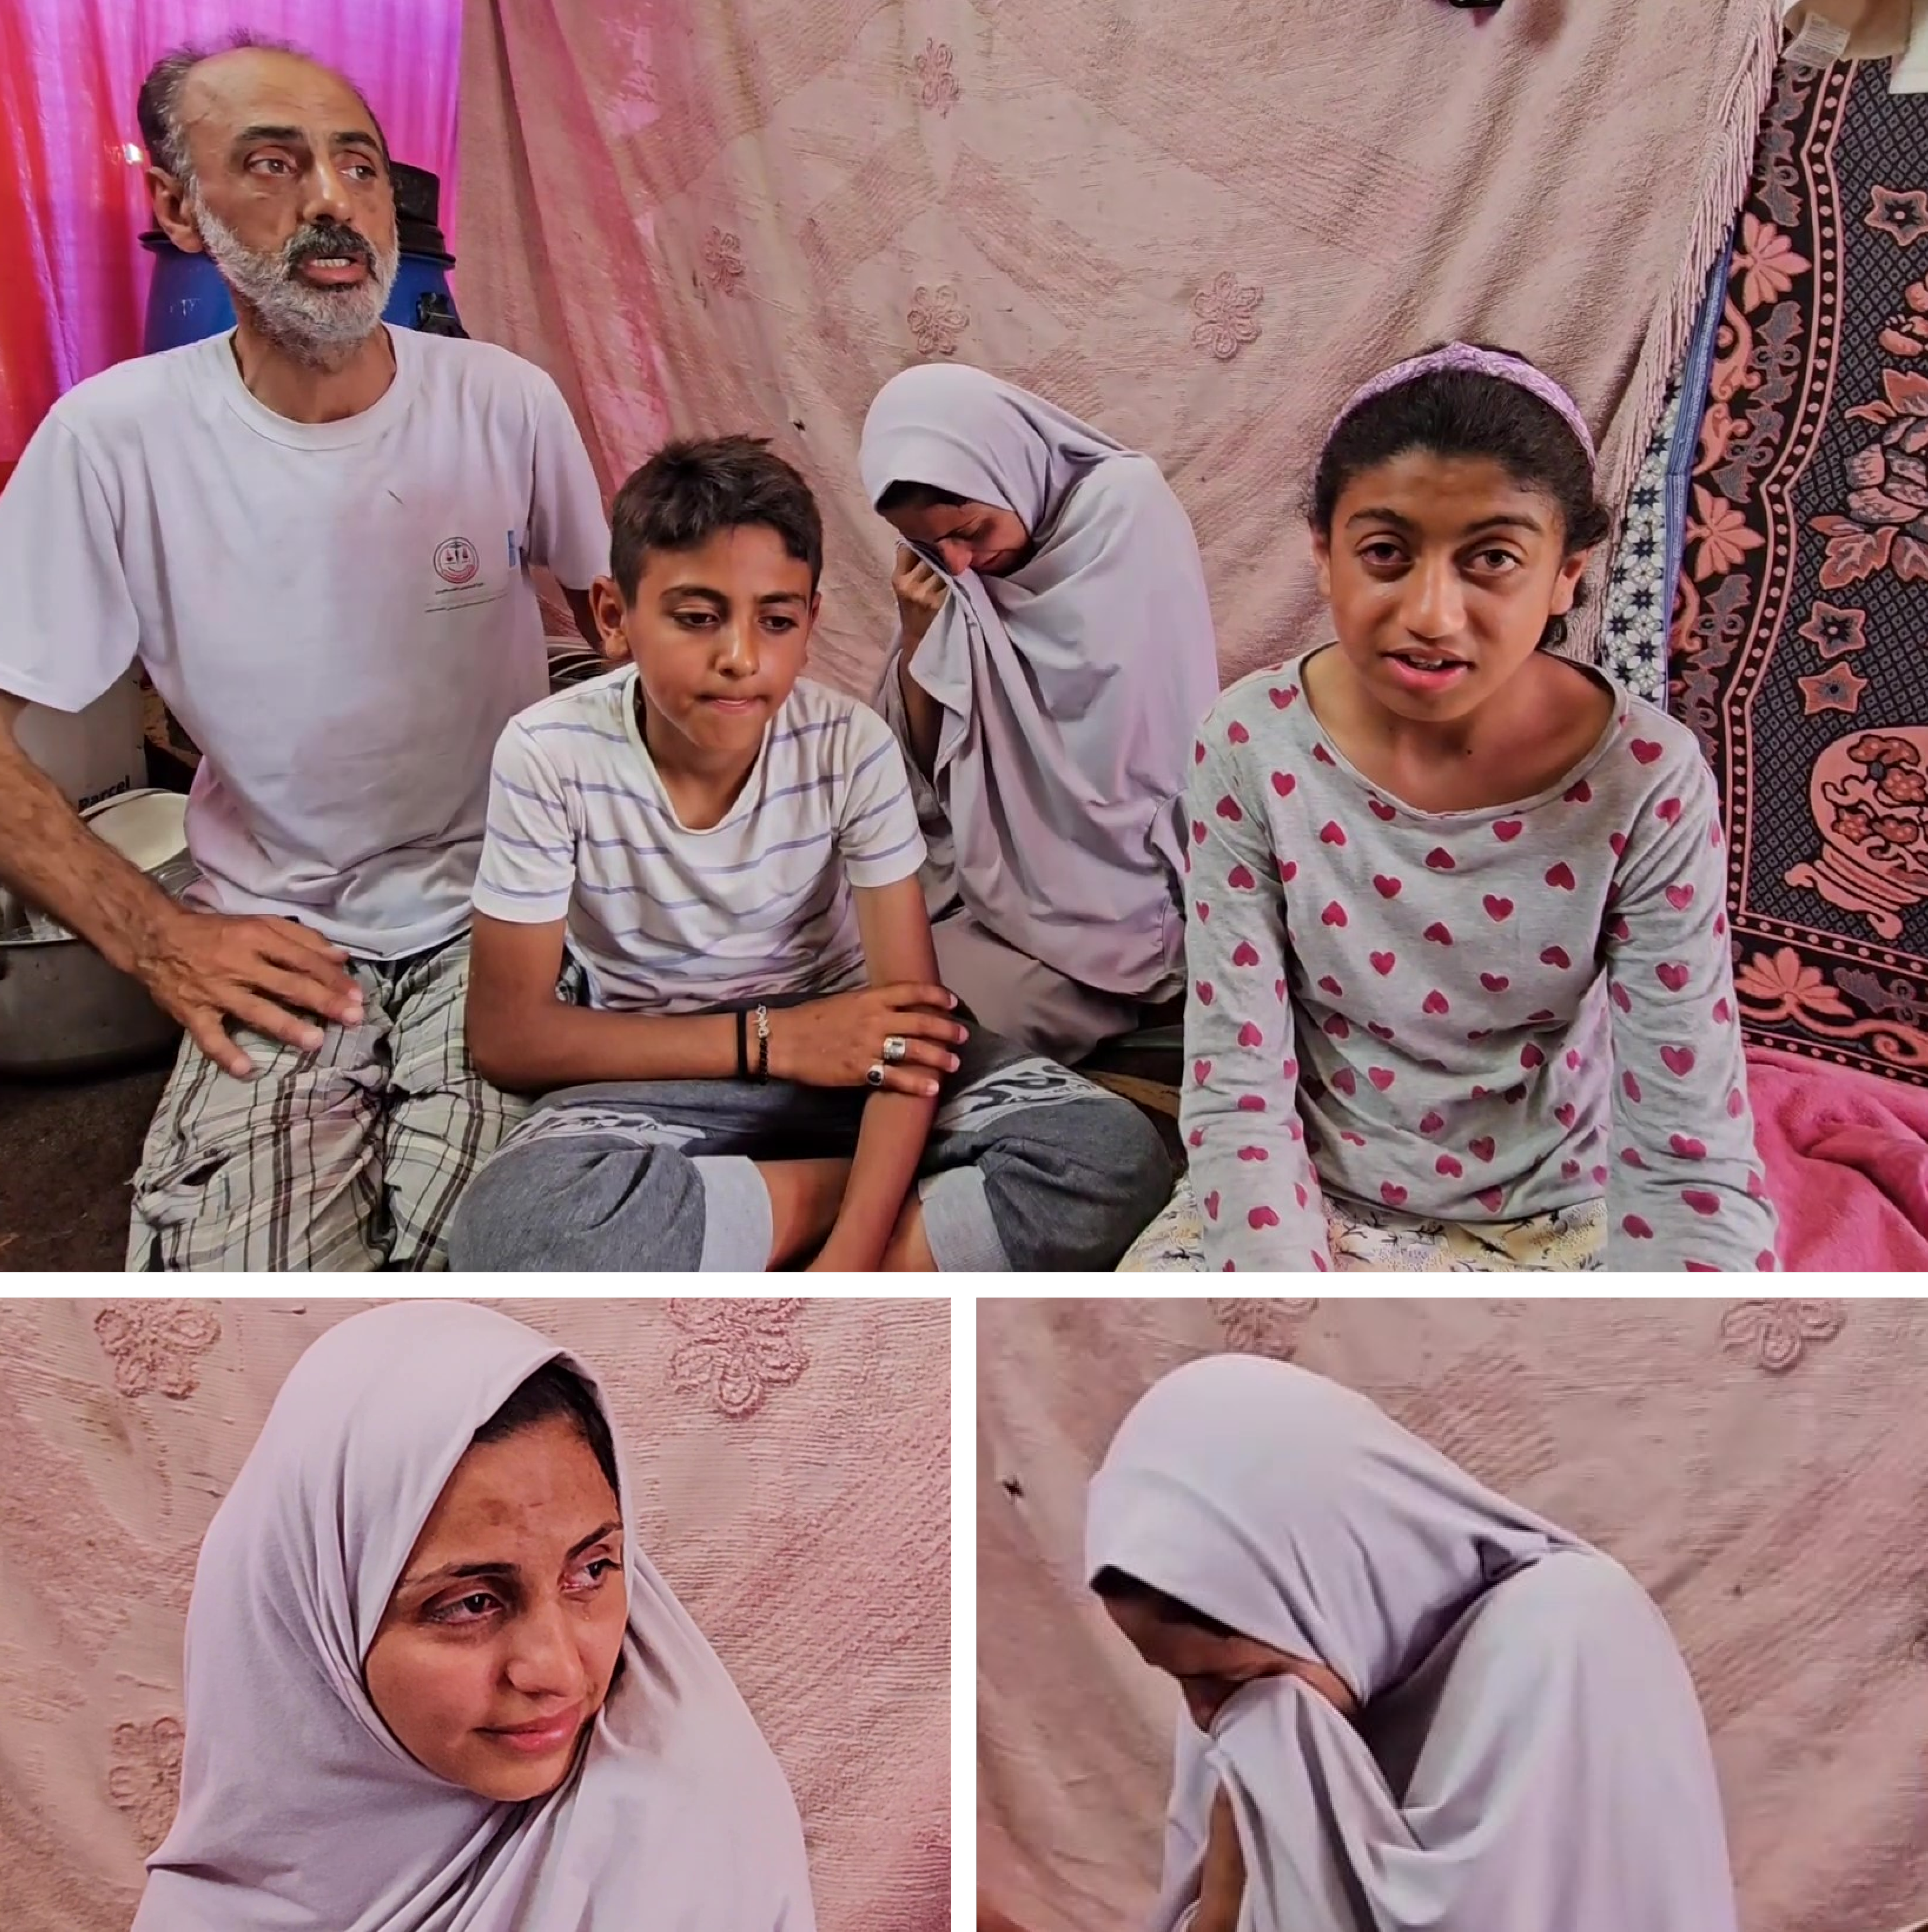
1757	1464
794	1467
1847	1160
1198	225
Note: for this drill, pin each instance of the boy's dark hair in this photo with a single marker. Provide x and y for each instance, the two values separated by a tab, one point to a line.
690	490
902	496
1115	1585
1460	412
555	1393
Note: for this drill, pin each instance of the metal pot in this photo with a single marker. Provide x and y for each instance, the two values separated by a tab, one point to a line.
63	1009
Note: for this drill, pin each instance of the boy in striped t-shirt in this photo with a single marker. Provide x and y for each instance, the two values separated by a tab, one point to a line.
767	1069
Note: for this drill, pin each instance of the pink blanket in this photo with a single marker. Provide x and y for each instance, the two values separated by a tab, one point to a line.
1847	1160
1196	225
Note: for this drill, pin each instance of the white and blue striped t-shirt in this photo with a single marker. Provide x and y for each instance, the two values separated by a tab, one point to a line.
675	921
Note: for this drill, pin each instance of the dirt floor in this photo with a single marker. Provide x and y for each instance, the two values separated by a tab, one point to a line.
67	1150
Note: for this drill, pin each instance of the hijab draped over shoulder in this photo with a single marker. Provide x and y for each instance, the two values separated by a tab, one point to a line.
1072	688
299	1809
1528	1752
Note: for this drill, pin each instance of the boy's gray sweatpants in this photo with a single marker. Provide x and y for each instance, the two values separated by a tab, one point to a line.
1028	1166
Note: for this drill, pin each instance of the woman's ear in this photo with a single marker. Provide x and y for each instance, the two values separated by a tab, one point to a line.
1322	562
1567	585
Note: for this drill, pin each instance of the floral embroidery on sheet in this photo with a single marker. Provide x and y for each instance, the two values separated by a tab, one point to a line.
723	261
146	1780
1254	1326
1777	1333
739	1350
937	80
153	1345
938	318
1900	212
1227	309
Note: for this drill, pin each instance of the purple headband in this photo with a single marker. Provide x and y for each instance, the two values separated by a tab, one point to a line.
1463	357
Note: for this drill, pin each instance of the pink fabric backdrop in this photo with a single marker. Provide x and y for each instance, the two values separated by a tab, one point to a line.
794	1460
1757	1464
1196	224
75	279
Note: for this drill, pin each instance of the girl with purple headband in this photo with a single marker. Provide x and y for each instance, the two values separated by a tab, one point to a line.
1461	995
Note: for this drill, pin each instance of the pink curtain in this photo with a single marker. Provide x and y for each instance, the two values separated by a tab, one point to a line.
74	276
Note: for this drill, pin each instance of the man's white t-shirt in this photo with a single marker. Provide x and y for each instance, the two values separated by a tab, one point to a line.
341	614
670	920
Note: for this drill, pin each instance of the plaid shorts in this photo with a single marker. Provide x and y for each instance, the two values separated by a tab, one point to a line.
352	1157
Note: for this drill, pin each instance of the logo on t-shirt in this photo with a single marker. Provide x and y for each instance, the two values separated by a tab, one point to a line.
456	561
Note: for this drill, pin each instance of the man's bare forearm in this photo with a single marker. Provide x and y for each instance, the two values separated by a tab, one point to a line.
535	1049
48	856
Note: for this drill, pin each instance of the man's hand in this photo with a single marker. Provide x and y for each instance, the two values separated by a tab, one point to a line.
835	1042
204	967
1222	1889
920	593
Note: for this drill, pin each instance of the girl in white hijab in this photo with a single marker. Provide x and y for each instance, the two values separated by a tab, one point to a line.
432	1684
1411	1705
1054	656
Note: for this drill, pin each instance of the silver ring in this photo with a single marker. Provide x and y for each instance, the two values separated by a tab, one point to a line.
894	1049
874	1078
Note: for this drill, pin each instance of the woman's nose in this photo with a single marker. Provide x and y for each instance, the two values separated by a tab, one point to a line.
955	554
1434	605
543	1662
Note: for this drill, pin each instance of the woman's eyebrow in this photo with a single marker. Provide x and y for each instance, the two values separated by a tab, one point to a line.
450	1572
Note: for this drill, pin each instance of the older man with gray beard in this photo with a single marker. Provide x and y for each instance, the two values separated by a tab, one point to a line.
316	533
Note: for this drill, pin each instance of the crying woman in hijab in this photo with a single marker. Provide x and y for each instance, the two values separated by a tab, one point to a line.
1409	1704
1054	656
433	1685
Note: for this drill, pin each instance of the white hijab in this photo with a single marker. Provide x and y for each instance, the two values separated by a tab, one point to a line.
299	1809
1072	688
1529	1753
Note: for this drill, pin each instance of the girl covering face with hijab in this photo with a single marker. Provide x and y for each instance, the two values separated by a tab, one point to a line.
1411	1705
432	1685
1056	652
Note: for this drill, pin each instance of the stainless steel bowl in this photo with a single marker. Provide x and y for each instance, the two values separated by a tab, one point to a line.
63	1009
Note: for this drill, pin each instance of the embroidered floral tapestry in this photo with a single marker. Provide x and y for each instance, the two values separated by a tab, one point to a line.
1800	646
